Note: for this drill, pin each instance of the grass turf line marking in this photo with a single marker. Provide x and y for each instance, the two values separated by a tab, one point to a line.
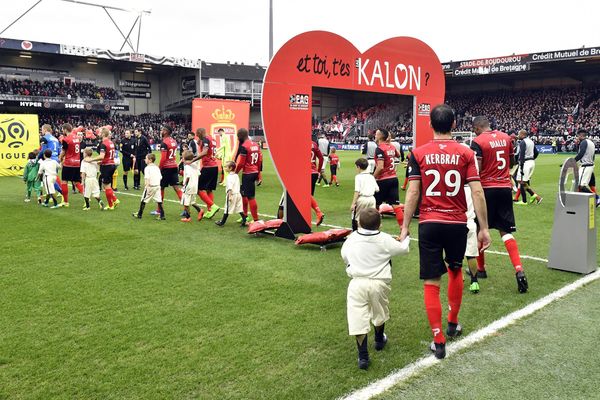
422	364
341	227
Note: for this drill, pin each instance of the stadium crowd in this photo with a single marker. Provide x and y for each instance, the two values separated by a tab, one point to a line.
75	90
149	124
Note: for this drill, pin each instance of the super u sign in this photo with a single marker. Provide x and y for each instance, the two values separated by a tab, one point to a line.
401	65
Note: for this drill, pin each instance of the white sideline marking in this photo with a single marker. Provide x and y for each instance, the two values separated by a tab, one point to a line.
381	385
342	227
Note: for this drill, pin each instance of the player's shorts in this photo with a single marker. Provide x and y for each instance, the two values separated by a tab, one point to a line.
441	244
234	204
367	301
500	209
91	188
362	203
106	173
170	177
48	183
472	243
372	166
388	192
525	174
70	174
248	187
140	164
127	163
585	175
313	182
208	178
333	169
152	193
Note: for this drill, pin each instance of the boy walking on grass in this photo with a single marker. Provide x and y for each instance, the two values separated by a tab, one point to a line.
367	253
48	173
30	177
234	198
365	187
89	177
152	177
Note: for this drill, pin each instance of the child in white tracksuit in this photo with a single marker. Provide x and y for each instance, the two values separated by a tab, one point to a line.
233	202
367	253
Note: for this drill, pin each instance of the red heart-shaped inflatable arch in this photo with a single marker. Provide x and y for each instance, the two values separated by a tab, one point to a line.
400	65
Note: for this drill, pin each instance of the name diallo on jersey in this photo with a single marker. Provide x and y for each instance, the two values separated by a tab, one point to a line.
497	143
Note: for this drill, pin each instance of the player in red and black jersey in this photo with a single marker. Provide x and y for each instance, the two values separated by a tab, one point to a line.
209	173
442	168
495	154
334	163
70	158
249	161
316	165
385	174
168	163
107	151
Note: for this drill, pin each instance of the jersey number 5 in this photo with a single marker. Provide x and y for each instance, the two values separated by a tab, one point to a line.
451	179
501	160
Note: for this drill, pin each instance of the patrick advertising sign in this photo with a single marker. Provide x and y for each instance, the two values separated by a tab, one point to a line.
401	65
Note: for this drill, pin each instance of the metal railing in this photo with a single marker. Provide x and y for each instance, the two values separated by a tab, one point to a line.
17	97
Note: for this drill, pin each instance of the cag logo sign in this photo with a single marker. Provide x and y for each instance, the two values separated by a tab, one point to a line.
14	133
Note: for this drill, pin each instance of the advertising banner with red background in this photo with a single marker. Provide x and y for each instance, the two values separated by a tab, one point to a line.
215	114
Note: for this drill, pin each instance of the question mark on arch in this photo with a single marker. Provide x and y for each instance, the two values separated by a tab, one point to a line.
427	76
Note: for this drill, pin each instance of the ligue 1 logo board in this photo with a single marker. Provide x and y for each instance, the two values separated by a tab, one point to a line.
18	136
401	65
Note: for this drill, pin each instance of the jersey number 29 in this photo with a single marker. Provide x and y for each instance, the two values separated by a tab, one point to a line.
451	179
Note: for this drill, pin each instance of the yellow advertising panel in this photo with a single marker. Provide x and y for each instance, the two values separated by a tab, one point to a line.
19	135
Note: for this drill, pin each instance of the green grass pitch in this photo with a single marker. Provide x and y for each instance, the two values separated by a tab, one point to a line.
97	305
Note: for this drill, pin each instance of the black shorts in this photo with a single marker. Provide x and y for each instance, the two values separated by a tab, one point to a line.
388	192
170	177
208	178
500	209
313	182
333	169
127	163
248	188
106	173
140	163
441	244
70	174
592	180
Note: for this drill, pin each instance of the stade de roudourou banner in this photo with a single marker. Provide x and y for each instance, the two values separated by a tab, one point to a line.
215	114
516	63
401	65
19	135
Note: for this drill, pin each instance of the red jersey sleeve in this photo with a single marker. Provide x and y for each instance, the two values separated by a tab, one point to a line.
472	171
241	159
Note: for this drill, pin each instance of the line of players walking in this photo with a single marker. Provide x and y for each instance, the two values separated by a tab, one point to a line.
73	155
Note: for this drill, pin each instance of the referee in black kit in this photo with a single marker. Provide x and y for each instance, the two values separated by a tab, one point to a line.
142	147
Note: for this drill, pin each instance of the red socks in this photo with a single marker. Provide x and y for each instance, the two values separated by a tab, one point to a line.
518	194
110	196
399	215
206	198
245	205
65	191
179	193
455	290
433	307
253	208
79	187
212	196
513	251
481	261
314	205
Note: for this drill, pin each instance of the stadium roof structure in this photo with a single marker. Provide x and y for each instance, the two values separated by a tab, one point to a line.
26	47
233	71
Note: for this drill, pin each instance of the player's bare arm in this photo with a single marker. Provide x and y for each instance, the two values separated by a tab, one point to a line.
378	169
481	213
410	206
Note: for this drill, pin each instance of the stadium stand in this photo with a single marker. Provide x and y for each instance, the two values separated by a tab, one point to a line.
57	88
